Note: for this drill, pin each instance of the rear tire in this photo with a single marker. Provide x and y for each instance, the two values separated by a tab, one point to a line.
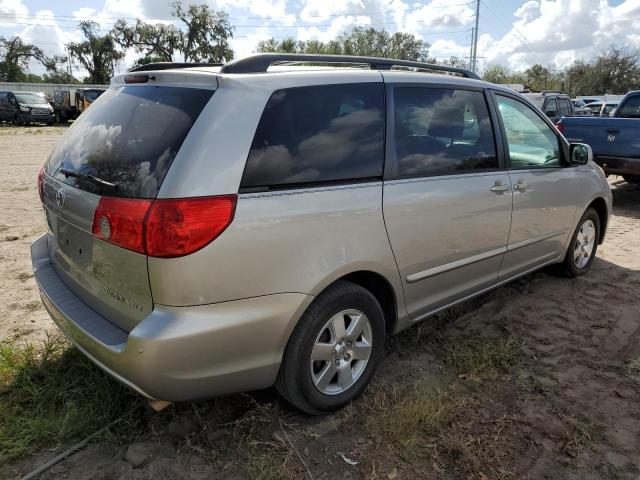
631	178
343	330
583	246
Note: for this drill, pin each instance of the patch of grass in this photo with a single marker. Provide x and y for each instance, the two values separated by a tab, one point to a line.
405	416
579	434
263	463
480	357
633	367
51	394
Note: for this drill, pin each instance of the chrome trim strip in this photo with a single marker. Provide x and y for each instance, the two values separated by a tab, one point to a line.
430	272
484	290
539	238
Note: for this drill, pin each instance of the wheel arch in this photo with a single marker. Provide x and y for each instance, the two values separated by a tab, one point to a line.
600	206
381	288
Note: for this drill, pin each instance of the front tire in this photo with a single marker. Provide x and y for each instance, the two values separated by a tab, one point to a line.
583	246
334	350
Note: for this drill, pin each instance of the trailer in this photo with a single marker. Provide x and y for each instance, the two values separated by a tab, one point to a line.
68	104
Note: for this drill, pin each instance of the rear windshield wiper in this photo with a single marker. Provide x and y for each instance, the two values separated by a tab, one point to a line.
84	176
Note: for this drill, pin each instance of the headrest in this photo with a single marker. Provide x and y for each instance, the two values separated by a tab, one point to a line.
447	122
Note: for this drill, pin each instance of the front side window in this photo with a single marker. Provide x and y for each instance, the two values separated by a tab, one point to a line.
630	108
317	134
532	143
439	131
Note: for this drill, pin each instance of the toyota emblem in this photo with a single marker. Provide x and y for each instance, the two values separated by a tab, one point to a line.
60	198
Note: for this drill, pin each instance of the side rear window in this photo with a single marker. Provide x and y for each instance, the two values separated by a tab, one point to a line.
440	131
563	106
551	108
318	134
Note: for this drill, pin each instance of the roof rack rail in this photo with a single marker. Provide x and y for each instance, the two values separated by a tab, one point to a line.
168	65
262	61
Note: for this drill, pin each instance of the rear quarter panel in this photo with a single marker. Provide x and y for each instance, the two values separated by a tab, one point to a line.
296	241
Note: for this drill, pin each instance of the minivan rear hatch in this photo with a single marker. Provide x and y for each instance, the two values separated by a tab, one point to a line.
120	148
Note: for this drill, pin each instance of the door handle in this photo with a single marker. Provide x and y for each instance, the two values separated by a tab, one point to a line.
521	186
499	187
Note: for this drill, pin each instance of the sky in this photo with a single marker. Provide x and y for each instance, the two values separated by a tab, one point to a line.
513	33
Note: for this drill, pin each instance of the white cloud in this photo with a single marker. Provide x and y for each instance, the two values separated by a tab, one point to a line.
246	45
448	48
337	26
438	15
12	10
558	32
315	11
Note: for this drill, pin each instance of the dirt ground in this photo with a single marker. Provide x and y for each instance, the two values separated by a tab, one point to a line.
564	406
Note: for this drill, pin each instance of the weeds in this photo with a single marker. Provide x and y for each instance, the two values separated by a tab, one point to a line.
482	357
405	416
633	367
578	435
50	393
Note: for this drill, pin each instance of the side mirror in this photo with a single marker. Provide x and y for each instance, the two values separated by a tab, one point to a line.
581	154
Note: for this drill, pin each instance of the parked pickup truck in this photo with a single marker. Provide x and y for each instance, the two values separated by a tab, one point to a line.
615	140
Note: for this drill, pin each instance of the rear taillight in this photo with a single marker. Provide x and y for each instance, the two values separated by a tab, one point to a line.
121	221
41	183
163	227
182	226
560	127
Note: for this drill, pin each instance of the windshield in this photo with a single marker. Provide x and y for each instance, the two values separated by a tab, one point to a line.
91	95
128	137
30	97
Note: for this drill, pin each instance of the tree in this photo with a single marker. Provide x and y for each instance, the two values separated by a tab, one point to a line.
204	37
454	61
540	78
59	76
358	41
16	56
615	72
97	54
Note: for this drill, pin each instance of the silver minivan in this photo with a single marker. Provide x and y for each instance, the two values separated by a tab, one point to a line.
222	229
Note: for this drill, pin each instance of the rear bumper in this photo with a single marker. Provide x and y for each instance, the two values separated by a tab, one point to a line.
178	353
619	165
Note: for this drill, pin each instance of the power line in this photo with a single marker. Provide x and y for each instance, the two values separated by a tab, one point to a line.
249	26
72	18
518	35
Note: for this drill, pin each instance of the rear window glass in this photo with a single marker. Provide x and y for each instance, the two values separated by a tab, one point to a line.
630	108
318	134
127	138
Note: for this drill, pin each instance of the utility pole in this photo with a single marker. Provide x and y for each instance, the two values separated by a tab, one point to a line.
474	40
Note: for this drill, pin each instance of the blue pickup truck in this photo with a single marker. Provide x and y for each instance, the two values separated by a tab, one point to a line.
615	140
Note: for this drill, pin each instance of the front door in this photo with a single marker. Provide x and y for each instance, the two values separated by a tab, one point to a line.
544	188
447	201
